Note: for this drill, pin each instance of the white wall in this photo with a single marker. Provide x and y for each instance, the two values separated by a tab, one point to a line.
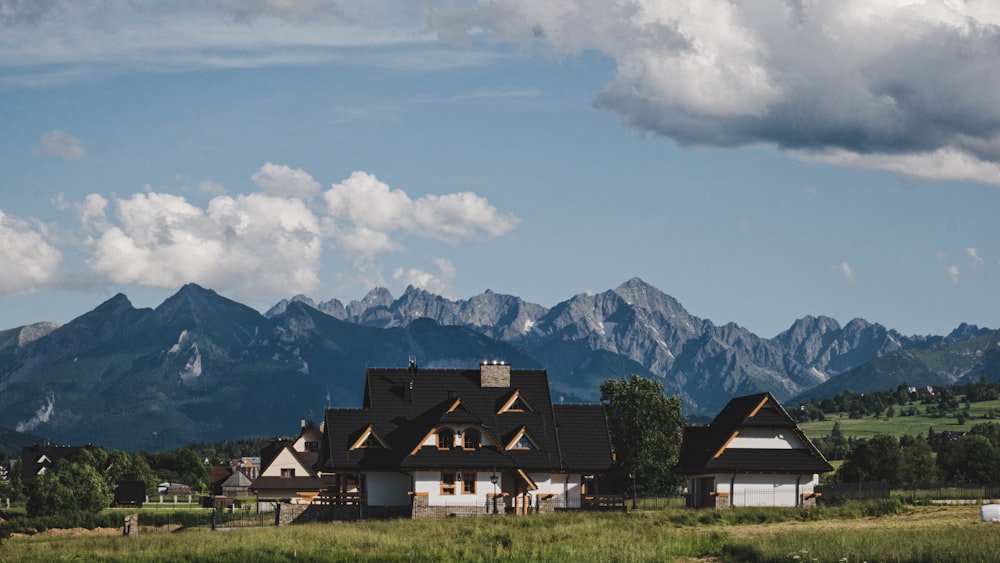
388	489
764	438
765	490
430	482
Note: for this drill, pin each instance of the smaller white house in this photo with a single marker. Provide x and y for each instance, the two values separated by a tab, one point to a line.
752	454
287	473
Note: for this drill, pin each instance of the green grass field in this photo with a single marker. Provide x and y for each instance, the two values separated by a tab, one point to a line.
925	533
868	426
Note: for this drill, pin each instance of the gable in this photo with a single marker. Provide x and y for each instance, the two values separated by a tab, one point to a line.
286	459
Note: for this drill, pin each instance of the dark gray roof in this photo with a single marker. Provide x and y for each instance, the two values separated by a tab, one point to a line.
404	406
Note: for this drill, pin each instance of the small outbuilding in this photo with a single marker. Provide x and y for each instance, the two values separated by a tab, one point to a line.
130	494
752	454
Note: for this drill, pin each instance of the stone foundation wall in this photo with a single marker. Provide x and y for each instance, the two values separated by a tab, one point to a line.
422	509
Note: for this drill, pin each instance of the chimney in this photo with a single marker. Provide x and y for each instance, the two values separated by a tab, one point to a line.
302	423
494	375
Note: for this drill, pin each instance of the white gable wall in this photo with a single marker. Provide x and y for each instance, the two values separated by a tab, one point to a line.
766	439
285	460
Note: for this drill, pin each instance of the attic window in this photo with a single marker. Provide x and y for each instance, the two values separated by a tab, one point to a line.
522	441
515	403
368	439
288	472
312	446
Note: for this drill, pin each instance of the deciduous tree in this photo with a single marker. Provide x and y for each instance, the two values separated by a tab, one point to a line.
69	486
646	428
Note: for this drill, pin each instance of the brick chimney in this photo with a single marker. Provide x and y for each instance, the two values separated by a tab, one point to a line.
494	375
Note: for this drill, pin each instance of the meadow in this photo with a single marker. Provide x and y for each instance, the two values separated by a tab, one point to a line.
917	425
887	531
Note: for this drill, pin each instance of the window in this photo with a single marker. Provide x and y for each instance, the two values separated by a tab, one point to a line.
470	439
288	472
368	439
469	483
312	446
515	403
447	482
446	439
523	443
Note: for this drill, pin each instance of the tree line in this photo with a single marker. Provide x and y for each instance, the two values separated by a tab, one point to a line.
904	400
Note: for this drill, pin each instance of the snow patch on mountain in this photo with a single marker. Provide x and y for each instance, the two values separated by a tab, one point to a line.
42	415
192	370
181	341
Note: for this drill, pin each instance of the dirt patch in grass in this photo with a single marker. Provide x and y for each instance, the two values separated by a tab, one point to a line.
53	532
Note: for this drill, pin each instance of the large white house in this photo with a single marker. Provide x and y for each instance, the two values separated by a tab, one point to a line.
464	441
752	454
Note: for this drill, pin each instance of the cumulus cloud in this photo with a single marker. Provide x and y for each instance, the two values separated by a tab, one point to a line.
249	245
900	86
953	273
29	261
847	271
271	243
284	181
369	213
974	258
60	144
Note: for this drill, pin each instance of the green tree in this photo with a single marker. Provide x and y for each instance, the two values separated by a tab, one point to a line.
917	468
70	486
876	459
646	428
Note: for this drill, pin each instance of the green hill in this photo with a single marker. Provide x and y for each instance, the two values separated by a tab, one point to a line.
868	426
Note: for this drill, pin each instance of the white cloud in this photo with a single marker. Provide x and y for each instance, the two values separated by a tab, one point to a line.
953	273
271	243
902	86
368	212
974	258
29	262
250	245
847	271
72	37
60	144
439	283
283	181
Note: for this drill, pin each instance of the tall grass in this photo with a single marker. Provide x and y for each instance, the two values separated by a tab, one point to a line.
854	532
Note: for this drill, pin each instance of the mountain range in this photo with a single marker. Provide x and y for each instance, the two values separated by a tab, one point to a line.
201	367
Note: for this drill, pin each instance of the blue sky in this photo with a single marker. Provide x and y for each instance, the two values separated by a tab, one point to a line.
757	163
